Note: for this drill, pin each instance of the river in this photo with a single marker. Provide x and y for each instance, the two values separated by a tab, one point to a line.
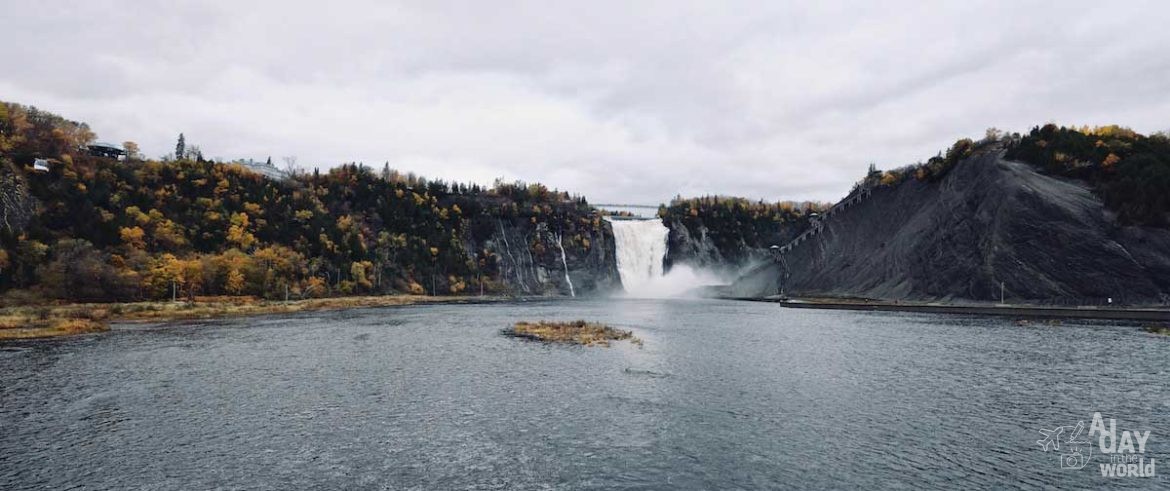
722	395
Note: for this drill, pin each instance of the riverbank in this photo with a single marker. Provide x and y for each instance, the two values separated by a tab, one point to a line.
52	320
1018	311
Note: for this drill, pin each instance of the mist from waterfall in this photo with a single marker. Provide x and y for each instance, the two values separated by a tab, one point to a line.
641	249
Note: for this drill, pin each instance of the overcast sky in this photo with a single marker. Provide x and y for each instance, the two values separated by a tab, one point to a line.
623	101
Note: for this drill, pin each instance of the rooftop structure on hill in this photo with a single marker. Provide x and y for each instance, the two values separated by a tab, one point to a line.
265	169
105	149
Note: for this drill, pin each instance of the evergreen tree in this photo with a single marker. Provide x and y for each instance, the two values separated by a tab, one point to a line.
181	147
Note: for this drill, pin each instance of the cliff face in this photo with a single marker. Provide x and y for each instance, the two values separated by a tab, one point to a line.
695	247
987	222
17	207
695	244
532	269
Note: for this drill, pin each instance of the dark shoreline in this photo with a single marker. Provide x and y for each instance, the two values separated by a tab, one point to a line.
52	320
1023	311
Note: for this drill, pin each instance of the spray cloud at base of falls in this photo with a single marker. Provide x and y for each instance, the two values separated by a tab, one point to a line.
641	251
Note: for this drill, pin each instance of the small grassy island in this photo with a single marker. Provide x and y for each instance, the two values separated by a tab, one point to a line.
46	322
1158	329
572	332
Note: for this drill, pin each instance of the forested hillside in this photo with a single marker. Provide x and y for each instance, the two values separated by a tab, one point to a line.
95	228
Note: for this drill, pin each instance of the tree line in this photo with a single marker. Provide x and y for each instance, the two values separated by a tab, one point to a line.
1128	170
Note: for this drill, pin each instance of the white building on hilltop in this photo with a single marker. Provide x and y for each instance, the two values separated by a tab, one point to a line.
263	168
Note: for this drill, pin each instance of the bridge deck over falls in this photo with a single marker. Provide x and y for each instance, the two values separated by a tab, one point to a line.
644	212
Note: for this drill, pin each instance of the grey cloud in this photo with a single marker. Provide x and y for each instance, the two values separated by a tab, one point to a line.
620	101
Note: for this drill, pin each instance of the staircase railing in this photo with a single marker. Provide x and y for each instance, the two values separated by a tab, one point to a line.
853	199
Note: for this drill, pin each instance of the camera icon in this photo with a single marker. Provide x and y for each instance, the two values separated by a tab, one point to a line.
1075	460
1074	452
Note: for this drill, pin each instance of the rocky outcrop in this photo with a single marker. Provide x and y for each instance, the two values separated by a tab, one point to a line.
534	260
695	247
987	223
17	206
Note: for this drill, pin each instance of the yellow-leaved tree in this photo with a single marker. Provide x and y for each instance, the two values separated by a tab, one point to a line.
235	282
361	271
165	276
192	271
238	233
133	237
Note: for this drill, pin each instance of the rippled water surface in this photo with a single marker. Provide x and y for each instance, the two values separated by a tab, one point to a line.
723	395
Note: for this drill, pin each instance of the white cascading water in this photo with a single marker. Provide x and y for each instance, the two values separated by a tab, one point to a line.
641	248
565	263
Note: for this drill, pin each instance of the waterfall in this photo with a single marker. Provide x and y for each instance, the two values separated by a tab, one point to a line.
565	263
641	248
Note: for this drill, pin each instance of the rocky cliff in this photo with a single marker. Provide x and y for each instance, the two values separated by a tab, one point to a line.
718	233
987	223
17	207
530	260
694	246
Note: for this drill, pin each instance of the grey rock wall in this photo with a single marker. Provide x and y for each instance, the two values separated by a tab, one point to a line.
987	222
533	272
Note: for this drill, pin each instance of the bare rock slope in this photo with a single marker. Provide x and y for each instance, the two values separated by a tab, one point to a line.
987	222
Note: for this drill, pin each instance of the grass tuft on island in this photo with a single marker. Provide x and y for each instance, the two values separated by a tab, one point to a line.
1163	330
571	332
47	322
